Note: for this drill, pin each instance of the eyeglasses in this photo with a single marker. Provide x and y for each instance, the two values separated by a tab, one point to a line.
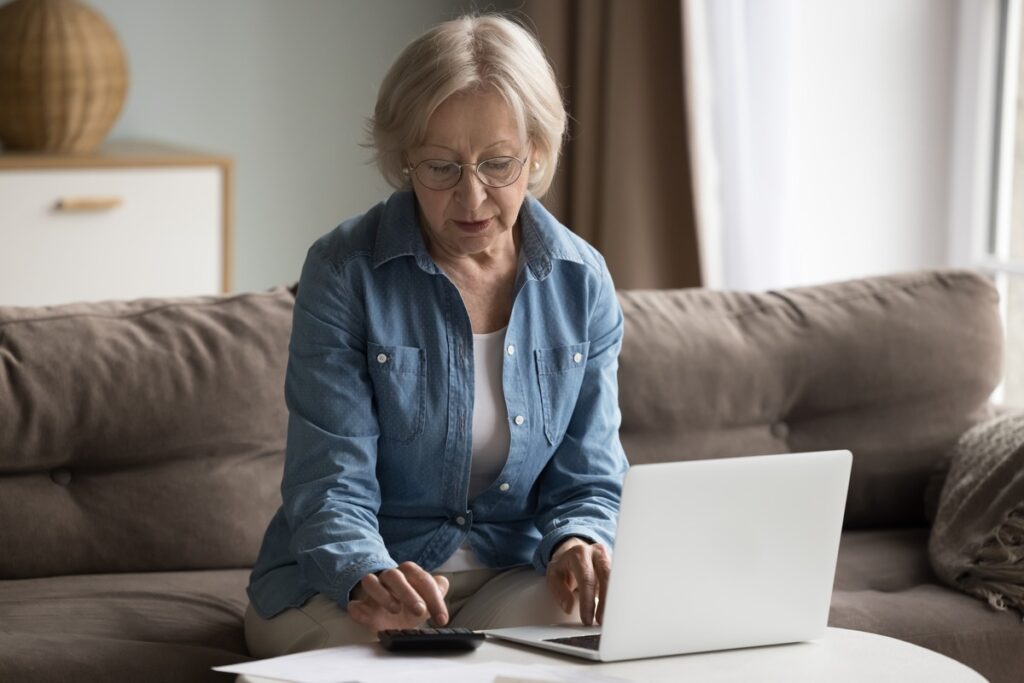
438	174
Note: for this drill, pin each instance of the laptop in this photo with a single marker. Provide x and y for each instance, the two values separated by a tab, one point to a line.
715	555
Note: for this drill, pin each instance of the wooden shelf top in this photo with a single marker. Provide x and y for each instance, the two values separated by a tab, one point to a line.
115	153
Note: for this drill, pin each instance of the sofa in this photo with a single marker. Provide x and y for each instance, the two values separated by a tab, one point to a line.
142	442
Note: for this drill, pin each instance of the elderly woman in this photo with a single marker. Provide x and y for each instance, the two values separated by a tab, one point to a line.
453	451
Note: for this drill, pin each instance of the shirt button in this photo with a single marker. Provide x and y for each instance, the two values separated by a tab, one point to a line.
503	488
382	358
511	350
519	419
577	357
460	520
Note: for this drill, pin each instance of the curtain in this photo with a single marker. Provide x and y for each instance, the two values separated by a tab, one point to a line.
625	181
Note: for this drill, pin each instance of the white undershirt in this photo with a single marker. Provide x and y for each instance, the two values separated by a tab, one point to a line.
491	433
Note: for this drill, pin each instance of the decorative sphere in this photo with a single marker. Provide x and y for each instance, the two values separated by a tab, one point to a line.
63	76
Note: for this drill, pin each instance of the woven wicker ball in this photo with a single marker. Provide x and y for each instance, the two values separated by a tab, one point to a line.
63	76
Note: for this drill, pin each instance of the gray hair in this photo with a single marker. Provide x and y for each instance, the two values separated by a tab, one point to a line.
460	56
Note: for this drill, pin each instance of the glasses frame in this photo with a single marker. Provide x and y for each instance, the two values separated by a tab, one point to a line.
410	171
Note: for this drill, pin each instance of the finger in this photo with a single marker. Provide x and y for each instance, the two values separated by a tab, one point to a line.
562	583
379	593
428	589
359	612
398	585
587	587
442	584
603	569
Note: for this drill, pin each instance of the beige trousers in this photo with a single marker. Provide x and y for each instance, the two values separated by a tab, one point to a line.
477	599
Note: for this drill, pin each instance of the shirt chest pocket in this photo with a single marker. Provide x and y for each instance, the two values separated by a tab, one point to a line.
399	375
560	373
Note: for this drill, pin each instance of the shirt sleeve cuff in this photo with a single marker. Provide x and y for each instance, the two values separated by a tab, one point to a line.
353	574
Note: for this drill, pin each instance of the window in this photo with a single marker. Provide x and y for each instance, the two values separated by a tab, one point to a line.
1004	242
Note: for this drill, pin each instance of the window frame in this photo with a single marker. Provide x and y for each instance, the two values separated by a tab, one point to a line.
987	64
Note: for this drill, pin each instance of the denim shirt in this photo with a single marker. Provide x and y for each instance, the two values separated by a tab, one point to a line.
379	390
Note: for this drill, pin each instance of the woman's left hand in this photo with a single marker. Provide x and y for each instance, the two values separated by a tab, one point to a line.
580	569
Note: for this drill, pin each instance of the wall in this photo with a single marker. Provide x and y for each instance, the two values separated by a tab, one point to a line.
283	88
841	143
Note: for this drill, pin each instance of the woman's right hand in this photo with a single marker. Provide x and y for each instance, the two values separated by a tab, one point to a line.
403	597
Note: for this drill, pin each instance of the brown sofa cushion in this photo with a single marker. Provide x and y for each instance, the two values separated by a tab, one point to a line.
977	541
149	435
893	368
140	436
126	627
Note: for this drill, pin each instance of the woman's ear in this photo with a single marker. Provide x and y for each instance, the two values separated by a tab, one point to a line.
405	169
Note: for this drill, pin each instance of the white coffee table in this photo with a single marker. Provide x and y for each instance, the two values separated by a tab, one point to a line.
841	656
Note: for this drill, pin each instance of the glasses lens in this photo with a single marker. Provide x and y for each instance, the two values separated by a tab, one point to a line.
438	175
499	171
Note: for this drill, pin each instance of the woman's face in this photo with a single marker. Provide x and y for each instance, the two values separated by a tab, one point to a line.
471	218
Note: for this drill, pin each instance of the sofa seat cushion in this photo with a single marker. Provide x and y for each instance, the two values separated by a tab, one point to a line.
884	584
167	626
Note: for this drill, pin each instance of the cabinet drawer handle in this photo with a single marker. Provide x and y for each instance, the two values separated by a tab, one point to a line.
77	204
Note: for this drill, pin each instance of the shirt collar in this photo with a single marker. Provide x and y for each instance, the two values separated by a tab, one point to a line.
544	239
398	233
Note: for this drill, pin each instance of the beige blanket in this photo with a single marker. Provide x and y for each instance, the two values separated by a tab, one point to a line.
977	540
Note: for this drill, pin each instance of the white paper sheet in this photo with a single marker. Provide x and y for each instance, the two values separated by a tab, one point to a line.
368	664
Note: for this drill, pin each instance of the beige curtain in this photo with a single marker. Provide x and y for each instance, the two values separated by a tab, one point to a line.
625	180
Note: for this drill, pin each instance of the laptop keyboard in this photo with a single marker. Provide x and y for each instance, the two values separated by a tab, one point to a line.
588	642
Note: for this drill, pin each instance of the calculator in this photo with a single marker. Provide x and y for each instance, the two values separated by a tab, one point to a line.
430	639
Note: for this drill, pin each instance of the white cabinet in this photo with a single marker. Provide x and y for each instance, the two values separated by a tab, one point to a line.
131	221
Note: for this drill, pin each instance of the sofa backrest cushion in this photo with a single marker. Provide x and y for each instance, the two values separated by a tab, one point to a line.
149	435
140	436
893	368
